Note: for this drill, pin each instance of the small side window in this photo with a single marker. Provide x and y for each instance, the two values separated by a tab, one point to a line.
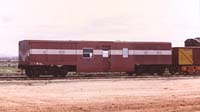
105	53
87	53
125	52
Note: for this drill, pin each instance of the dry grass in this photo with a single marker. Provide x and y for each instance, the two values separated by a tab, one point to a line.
9	70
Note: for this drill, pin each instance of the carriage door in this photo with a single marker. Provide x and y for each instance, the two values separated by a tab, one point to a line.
106	58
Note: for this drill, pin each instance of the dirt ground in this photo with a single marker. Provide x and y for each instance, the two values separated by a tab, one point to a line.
102	95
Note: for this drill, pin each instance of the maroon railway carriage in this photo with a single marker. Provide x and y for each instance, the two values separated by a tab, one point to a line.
60	57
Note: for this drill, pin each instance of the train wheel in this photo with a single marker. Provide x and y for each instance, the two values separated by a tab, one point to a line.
32	73
36	73
63	73
60	74
28	73
56	75
131	73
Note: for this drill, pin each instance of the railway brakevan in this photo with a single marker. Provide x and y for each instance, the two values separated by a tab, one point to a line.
59	57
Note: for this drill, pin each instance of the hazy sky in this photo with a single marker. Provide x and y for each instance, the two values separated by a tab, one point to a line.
126	20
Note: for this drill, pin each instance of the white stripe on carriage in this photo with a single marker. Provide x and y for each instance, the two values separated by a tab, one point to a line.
97	52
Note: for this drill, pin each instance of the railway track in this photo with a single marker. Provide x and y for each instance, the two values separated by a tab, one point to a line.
10	77
67	77
72	76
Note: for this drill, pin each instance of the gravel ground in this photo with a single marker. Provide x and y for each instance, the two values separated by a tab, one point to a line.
101	95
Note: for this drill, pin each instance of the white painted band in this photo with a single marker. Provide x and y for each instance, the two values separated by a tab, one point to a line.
98	52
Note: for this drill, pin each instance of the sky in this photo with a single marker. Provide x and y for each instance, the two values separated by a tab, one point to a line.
125	20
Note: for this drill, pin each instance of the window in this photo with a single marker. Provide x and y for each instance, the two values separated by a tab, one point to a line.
88	53
125	52
105	53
